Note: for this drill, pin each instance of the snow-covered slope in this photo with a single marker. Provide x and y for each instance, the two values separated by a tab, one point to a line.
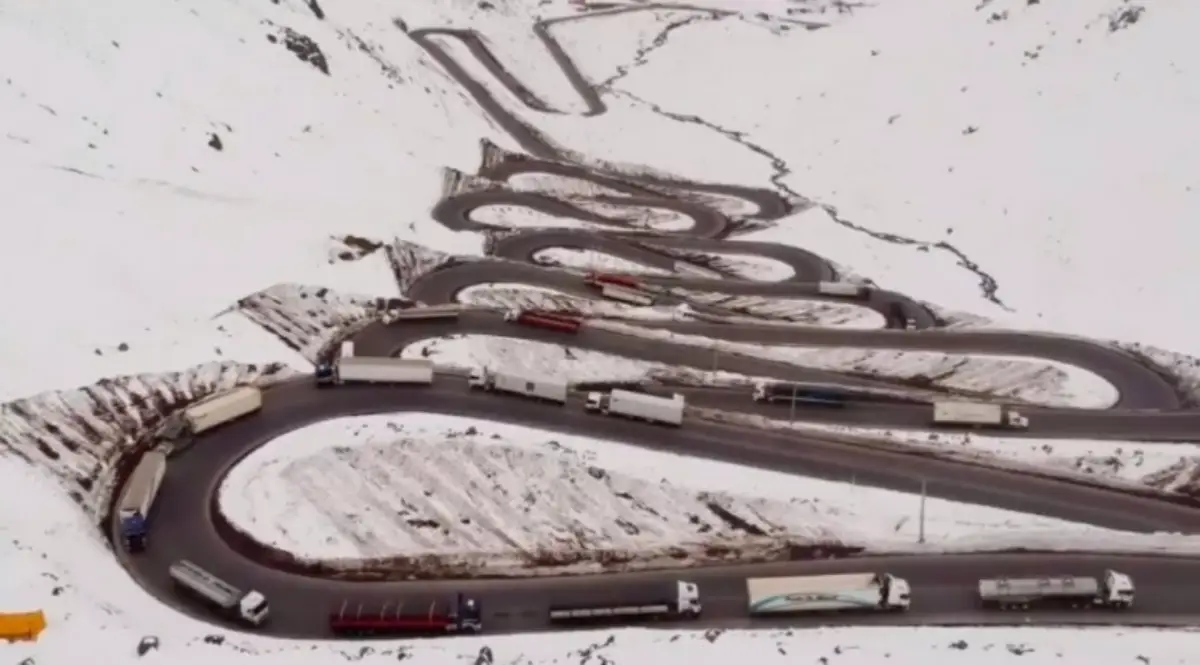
179	169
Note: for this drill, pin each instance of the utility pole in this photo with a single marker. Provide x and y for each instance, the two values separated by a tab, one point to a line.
921	536
792	416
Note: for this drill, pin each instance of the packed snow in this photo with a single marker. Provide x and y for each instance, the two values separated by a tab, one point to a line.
485	497
1036	381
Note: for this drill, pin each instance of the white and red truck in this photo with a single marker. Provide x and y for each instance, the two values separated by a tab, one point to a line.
547	320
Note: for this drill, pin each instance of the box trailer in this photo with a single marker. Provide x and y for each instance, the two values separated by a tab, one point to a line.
865	592
550	390
556	322
448	312
626	295
648	602
249	607
1111	591
844	290
977	414
802	393
364	369
598	279
639	406
140	491
222	408
448	616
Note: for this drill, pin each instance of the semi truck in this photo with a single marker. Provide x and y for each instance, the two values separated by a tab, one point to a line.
598	279
865	592
249	607
626	295
138	499
651	602
1112	591
843	290
421	314
362	369
549	390
557	322
977	414
801	393
683	267
638	406
445	617
347	350
222	408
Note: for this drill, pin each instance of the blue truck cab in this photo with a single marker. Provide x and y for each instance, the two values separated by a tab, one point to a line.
133	531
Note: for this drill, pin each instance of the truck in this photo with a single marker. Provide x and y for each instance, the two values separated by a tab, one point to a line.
363	369
977	414
249	607
801	393
865	592
347	350
550	390
140	492
421	314
649	602
626	295
683	267
638	406
598	279
1112	591
413	617
843	290
222	408
558	322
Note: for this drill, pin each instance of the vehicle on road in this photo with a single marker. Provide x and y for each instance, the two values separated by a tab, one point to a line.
638	406
844	290
1112	591
626	295
551	390
222	408
347	350
598	279
863	592
977	414
447	617
140	492
421	314
363	369
651	602
802	393
249	607
694	270
547	320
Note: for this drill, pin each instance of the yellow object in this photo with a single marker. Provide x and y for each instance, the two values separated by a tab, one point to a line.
22	626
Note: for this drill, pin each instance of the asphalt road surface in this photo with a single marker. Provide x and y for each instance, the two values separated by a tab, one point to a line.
1150	406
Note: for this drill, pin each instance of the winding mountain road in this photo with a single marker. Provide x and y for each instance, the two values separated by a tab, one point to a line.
186	523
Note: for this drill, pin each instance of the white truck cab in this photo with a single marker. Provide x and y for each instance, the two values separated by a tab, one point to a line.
253	607
689	599
1015	420
1118	589
899	594
596	401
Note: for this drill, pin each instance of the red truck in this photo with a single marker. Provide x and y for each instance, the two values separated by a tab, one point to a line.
447	617
547	320
599	279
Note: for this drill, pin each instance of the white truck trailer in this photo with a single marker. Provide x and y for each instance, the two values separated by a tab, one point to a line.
363	369
976	414
222	408
246	606
843	290
626	295
550	390
639	406
1113	591
623	604
435	312
140	492
865	592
